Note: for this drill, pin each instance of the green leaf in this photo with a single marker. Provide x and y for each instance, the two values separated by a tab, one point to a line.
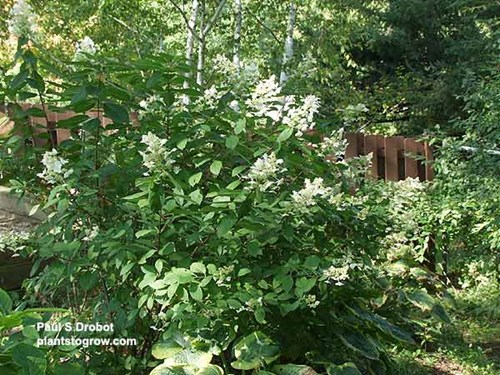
359	343
225	225
19	80
421	299
254	248
232	142
189	357
144	232
116	112
166	349
290	369
167	370
348	368
253	351
198	267
30	359
216	167
5	302
285	134
196	196
194	179
210	370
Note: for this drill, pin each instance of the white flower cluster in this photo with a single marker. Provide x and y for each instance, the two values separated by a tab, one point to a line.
306	196
302	118
211	97
333	148
156	155
91	234
54	171
22	21
336	274
244	76
265	99
85	46
263	173
311	301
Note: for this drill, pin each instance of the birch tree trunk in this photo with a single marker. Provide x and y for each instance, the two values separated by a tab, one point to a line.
288	53
201	45
238	18
191	27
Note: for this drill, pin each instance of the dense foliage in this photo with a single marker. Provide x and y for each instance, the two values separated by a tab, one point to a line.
214	216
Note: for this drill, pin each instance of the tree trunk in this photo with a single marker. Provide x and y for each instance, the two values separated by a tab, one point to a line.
288	53
238	17
191	27
201	46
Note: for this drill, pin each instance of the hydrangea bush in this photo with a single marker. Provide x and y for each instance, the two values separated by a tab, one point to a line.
224	233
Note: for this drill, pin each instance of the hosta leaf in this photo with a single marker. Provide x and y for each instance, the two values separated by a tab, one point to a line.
291	369
359	343
345	369
167	370
253	351
210	370
421	299
166	349
189	357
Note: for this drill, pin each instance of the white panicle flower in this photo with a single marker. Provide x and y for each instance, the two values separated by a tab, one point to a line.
265	99
235	106
211	97
156	155
54	171
22	21
86	46
302	118
91	234
306	197
336	274
333	148
263	173
311	301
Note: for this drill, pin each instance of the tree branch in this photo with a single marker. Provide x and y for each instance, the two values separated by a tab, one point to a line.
214	18
186	20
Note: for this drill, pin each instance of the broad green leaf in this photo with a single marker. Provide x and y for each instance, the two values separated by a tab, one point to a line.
210	370
348	368
359	343
5	302
194	179
225	225
253	351
216	167
290	369
285	134
189	357
166	349
232	142
116	112
421	299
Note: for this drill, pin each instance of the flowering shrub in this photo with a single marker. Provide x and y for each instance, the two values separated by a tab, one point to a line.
220	237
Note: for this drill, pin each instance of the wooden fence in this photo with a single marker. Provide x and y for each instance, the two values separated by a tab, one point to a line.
394	158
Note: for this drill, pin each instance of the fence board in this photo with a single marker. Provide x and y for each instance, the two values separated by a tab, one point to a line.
412	150
352	146
391	159
429	172
372	145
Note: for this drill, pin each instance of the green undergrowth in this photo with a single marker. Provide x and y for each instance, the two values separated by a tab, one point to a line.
470	346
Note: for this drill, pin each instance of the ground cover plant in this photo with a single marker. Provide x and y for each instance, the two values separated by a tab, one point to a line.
214	217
